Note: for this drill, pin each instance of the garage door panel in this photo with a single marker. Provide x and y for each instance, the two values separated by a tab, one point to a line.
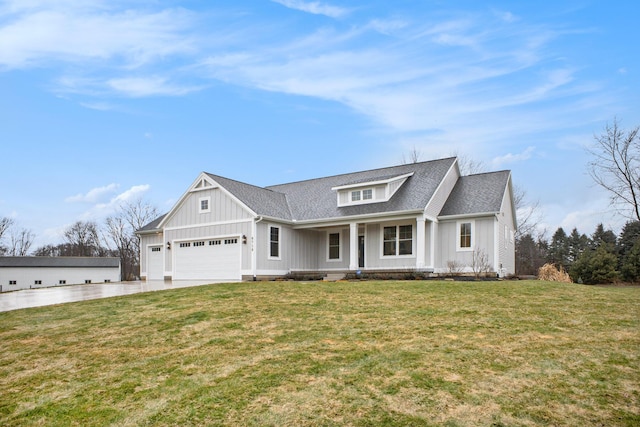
215	259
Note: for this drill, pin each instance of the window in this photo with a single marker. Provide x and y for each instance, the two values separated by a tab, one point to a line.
87	281
334	246
405	240
13	282
397	240
62	282
389	241
274	242
215	242
37	282
185	244
230	241
155	249
198	243
107	280
359	195
205	204
465	236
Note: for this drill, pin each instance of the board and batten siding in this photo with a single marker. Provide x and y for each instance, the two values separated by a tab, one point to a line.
506	236
298	249
222	208
322	242
147	240
446	247
442	193
225	218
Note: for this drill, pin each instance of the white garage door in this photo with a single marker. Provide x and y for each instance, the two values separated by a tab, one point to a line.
212	259
154	263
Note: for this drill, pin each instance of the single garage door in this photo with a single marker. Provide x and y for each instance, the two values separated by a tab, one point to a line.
212	259
154	263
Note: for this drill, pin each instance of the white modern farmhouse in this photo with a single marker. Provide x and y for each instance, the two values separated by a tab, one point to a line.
419	217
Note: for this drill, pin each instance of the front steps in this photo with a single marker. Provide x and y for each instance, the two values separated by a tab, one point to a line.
333	277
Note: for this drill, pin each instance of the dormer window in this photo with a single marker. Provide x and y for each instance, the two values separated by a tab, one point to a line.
370	191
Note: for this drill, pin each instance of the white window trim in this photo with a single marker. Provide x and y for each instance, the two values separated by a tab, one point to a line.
340	251
473	235
200	200
279	257
397	226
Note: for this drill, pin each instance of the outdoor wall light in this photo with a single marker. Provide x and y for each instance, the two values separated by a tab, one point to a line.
244	239
168	246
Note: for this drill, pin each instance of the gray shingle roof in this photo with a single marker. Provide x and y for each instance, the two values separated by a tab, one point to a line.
153	225
314	199
260	200
59	262
481	193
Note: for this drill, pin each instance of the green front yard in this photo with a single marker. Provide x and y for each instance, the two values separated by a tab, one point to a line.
346	353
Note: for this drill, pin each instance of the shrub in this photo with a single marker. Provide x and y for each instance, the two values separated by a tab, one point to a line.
595	266
552	273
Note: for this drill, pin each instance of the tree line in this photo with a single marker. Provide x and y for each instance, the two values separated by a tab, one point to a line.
115	237
601	257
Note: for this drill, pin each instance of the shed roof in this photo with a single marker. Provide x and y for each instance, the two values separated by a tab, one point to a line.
59	262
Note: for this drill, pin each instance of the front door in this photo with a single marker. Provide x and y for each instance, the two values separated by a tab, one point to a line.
361	251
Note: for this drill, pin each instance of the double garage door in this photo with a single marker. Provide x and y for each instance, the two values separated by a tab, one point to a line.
211	259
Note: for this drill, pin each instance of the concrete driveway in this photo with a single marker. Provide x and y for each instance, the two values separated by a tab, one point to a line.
62	294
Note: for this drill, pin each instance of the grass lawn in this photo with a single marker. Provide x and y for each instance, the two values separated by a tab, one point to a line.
346	353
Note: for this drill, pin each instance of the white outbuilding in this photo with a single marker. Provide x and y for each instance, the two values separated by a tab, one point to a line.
37	272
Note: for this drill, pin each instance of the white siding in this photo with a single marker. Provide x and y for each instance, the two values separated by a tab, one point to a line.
506	237
442	193
446	248
50	276
145	241
222	208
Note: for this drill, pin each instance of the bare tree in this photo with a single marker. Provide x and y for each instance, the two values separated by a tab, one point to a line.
21	241
480	263
413	157
616	167
528	214
5	224
468	165
84	238
120	234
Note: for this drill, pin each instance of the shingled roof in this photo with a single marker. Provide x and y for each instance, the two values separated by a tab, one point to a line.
477	194
315	199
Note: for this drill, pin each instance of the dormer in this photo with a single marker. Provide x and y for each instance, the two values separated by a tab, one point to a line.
376	190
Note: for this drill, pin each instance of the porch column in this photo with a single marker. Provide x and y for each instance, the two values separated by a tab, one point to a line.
353	246
434	237
420	243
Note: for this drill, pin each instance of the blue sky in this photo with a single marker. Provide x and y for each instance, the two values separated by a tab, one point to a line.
108	101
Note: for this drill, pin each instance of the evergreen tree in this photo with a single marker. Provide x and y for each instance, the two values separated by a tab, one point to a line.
558	253
630	263
577	243
595	266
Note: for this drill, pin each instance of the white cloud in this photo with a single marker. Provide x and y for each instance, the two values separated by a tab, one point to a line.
513	158
148	86
314	7
93	195
80	32
101	210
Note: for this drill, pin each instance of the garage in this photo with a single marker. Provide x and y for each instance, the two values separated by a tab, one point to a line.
154	263
211	259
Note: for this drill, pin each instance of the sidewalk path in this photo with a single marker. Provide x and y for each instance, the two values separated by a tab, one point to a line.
61	294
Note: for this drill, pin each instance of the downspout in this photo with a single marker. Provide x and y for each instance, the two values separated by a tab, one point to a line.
254	251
